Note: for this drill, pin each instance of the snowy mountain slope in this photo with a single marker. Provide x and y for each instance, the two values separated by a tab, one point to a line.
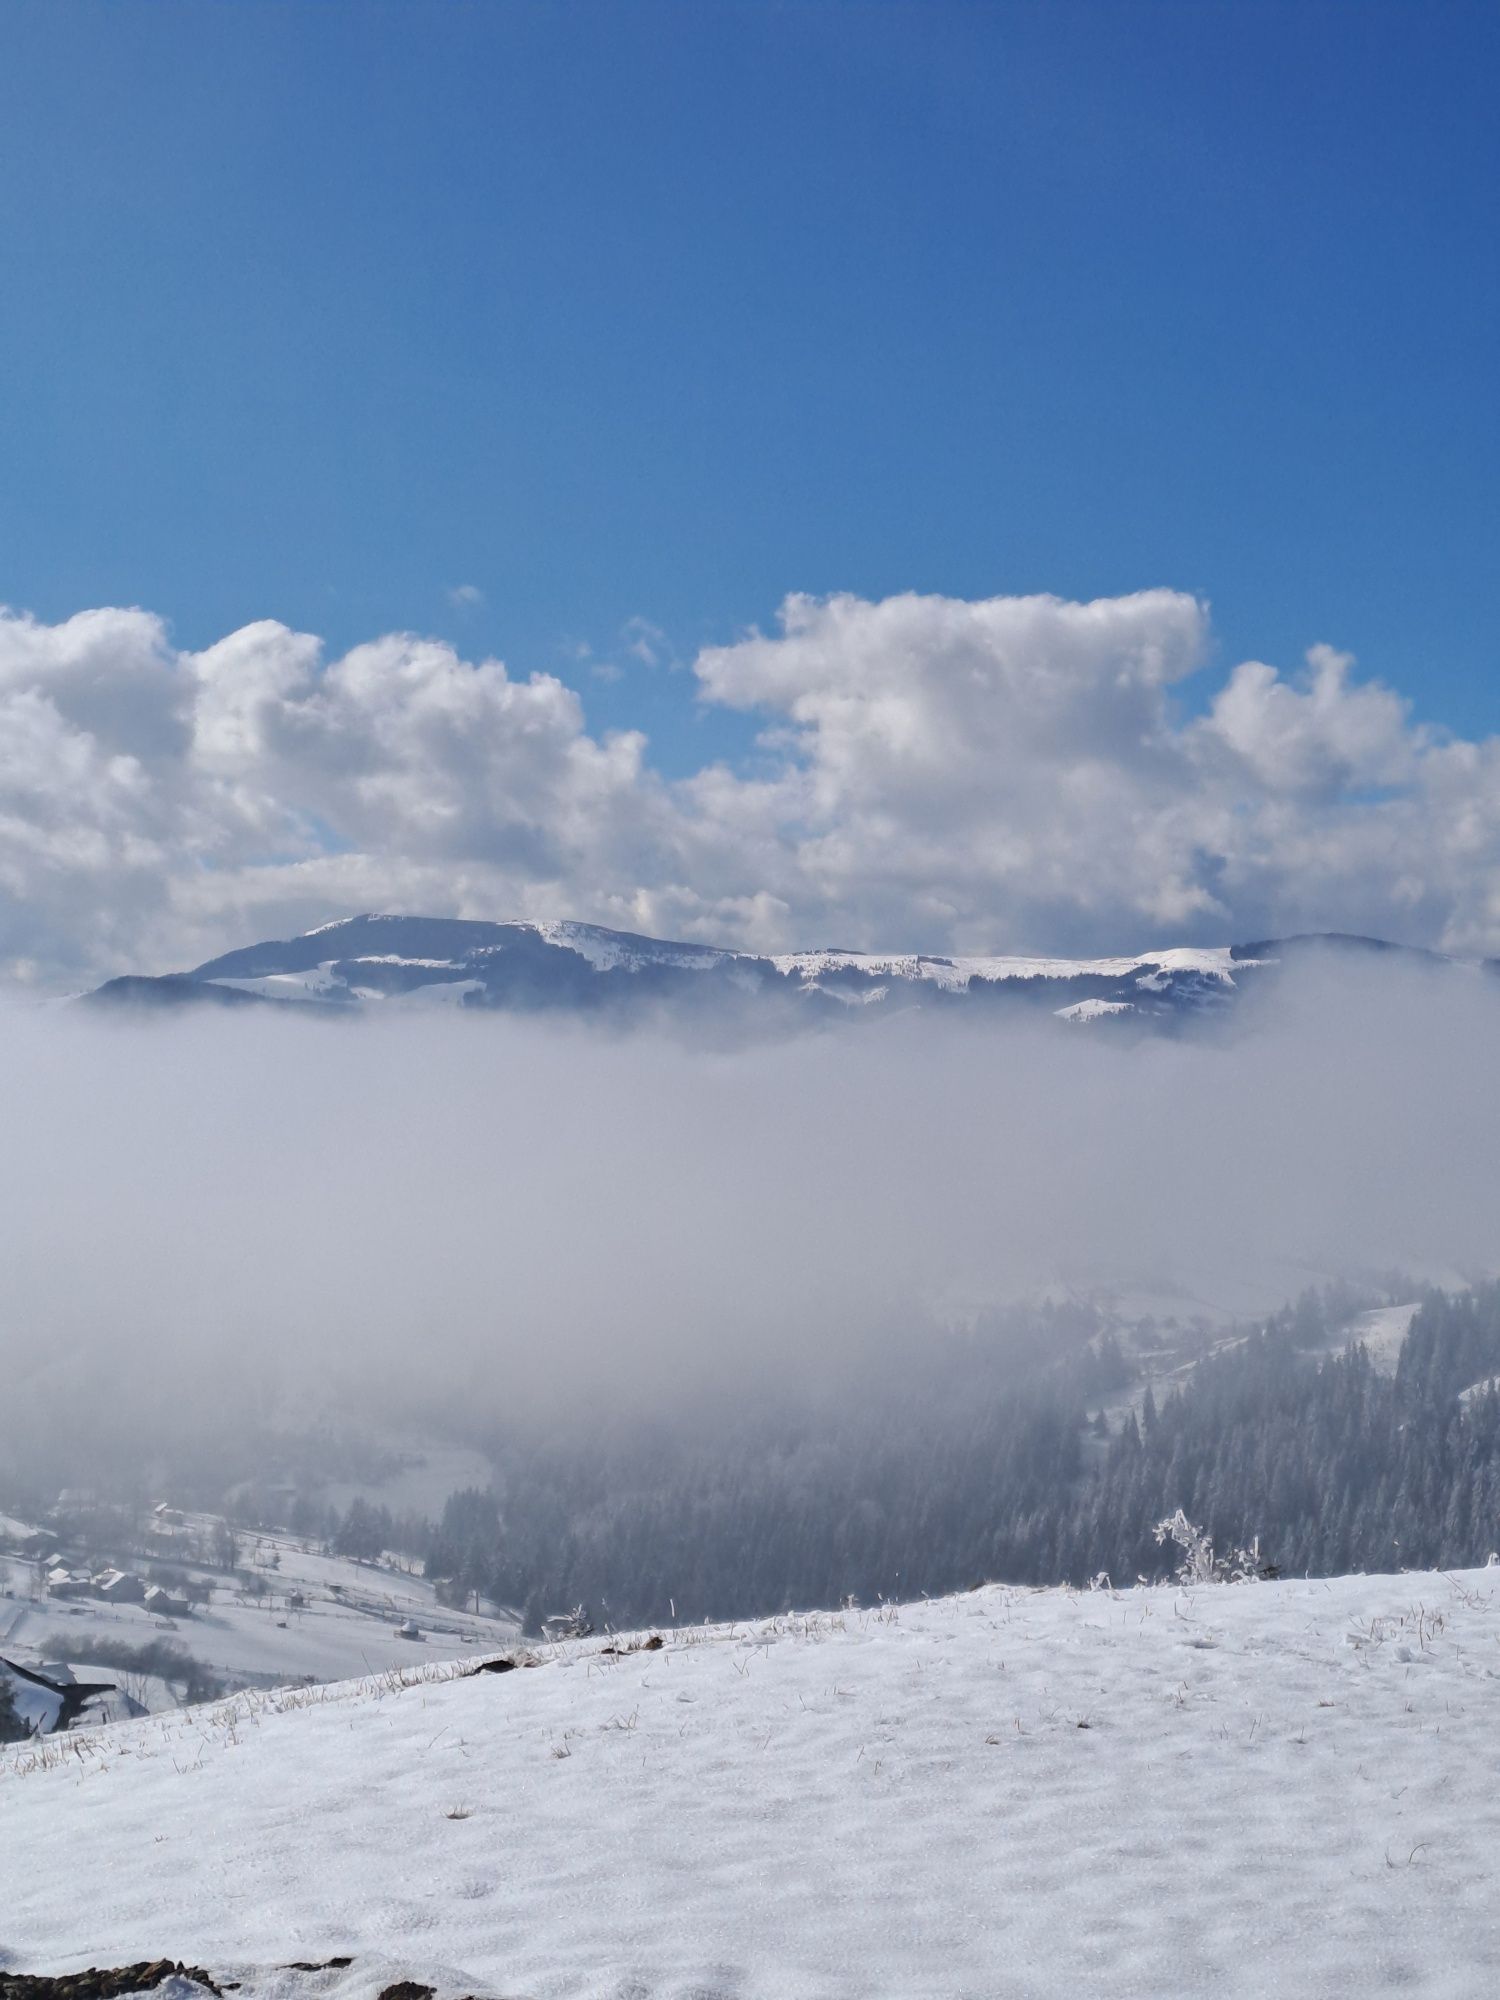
315	1616
1270	1788
422	961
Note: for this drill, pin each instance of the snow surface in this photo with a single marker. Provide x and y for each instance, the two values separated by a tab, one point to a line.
1268	1789
611	951
438	993
1092	1010
1213	962
347	1623
608	950
318	983
1380	1331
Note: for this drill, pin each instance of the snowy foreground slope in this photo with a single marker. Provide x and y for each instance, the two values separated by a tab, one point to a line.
1282	1788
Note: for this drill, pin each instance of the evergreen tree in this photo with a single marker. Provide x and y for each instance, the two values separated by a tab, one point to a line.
362	1532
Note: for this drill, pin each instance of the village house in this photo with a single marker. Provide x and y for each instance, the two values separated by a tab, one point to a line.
164	1604
120	1586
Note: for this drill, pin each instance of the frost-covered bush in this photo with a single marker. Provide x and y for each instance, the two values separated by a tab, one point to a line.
1199	1563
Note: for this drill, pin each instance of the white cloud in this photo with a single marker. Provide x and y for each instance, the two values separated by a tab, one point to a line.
971	767
647	642
466	595
1319	739
932	773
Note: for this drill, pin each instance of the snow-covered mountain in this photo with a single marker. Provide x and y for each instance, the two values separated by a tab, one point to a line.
440	961
1228	1790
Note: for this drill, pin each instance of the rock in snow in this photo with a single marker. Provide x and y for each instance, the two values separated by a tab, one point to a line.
1279	1788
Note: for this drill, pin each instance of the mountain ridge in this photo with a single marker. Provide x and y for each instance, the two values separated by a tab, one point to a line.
541	965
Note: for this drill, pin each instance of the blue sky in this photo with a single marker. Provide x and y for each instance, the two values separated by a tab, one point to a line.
317	312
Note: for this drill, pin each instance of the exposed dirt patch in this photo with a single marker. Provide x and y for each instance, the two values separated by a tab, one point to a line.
652	1645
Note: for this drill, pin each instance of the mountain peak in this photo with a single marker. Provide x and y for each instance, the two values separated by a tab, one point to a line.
385	958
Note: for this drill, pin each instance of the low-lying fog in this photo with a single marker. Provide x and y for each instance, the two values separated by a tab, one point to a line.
506	1214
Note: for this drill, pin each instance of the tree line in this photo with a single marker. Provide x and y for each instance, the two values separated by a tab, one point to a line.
995	1460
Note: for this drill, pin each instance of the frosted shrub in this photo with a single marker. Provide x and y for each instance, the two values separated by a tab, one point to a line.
1199	1563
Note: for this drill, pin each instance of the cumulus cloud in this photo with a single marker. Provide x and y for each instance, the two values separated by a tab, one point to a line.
931	773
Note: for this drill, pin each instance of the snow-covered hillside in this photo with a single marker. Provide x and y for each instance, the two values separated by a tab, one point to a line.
310	1615
409	961
1280	1788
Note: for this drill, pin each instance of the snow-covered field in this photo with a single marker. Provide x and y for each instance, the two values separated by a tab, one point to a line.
347	1621
1381	1332
426	1473
1282	1789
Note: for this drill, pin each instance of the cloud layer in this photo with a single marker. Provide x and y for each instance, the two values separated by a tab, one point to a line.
933	773
539	1216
